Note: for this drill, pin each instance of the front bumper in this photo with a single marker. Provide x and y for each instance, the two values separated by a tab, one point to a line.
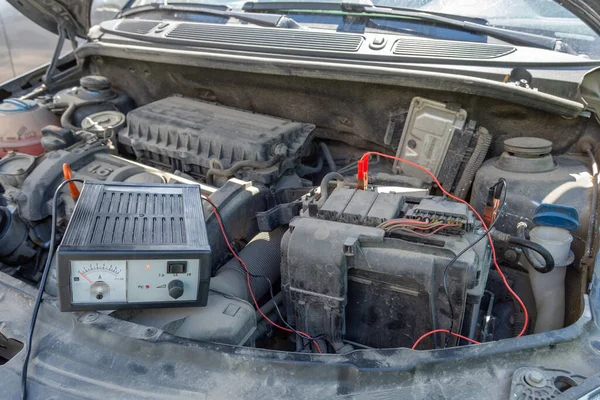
92	355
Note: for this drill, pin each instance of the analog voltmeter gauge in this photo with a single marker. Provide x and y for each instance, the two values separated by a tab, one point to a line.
98	281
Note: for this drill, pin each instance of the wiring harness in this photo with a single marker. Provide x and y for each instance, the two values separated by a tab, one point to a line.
412	226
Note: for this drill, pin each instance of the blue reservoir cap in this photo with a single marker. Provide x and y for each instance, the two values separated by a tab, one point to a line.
556	215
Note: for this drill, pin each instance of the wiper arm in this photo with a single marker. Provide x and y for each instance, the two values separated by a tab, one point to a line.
454	21
269	20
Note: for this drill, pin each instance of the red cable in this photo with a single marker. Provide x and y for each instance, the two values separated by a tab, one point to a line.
364	161
250	285
445	331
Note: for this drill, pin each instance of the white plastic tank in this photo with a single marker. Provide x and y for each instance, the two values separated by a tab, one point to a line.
549	288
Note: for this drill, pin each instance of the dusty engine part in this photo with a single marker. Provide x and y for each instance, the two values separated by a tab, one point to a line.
361	207
537	383
427	135
238	203
484	141
15	246
30	188
56	138
20	249
225	319
438	209
93	95
263	258
21	123
14	168
534	176
208	140
230	311
32	192
354	282
103	125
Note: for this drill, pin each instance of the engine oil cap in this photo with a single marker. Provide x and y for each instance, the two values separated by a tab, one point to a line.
556	215
528	147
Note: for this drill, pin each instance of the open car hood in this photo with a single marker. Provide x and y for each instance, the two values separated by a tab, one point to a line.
75	14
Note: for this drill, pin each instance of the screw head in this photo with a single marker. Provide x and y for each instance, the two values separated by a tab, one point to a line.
535	378
510	255
90	317
149	332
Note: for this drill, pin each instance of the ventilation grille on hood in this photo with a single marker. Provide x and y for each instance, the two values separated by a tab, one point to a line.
449	49
135	26
266	37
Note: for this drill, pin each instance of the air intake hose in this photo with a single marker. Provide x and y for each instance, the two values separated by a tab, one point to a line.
262	256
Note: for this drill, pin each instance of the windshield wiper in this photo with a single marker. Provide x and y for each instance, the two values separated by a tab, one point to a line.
449	20
269	20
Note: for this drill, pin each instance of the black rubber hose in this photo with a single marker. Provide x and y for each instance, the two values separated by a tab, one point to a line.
269	306
303	170
328	157
262	255
528	246
65	119
242	164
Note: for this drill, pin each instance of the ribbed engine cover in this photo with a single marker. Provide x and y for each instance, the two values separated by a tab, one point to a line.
193	135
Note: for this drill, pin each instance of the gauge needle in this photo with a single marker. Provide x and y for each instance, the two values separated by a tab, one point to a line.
86	278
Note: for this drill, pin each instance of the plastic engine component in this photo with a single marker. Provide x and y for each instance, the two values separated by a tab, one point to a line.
361	207
97	89
350	281
556	215
427	135
438	209
262	257
134	246
21	123
194	136
534	176
226	320
232	318
31	187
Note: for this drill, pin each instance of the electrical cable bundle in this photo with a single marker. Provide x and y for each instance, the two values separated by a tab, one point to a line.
412	226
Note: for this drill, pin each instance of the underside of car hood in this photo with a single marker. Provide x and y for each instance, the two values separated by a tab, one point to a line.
75	14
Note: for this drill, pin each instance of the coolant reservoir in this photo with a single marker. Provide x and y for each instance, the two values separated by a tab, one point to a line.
534	176
21	123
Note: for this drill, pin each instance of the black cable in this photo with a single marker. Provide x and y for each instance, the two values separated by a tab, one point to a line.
38	299
502	182
271	293
528	246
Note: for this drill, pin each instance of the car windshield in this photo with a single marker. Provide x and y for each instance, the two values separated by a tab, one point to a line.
541	17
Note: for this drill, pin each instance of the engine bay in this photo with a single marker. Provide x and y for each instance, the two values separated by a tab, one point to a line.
437	232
